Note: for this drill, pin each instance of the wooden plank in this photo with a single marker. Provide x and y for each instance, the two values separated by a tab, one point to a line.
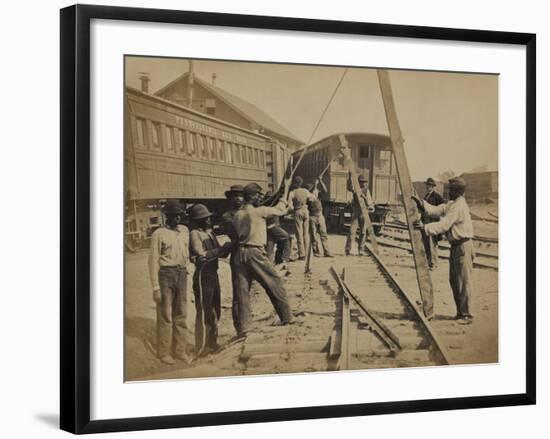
405	183
422	319
348	163
385	335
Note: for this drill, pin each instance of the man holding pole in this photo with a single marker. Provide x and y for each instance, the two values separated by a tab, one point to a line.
357	220
454	220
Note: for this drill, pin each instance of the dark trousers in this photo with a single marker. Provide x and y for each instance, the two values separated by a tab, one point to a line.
206	287
277	236
318	228
251	263
461	275
430	246
172	311
357	222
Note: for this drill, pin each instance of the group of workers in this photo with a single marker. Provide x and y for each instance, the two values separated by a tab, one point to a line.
259	249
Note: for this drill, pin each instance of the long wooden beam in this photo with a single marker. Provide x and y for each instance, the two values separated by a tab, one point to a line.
405	183
348	163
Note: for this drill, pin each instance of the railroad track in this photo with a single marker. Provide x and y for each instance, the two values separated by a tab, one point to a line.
486	253
379	324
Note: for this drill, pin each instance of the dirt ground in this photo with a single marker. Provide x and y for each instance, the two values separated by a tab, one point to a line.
475	343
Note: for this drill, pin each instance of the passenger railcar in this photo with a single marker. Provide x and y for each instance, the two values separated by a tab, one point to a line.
373	158
173	152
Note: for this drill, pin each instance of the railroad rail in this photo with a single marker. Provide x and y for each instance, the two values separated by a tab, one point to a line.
404	337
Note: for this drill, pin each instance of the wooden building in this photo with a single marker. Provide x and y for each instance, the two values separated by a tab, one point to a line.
481	185
219	103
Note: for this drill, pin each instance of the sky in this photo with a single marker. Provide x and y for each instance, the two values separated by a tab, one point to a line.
449	121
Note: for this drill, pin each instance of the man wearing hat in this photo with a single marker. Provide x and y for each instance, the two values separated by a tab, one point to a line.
299	198
317	224
205	251
278	241
168	261
357	220
252	262
431	242
455	221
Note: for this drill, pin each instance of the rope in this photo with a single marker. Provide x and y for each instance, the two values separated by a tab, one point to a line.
319	121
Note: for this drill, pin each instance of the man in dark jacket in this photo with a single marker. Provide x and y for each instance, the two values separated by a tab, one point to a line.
431	242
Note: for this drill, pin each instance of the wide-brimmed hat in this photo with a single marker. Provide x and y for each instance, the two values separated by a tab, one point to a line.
199	211
173	207
430	182
252	189
457	182
363	179
235	189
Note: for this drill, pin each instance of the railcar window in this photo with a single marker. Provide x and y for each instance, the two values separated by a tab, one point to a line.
226	147
250	156
236	153
243	154
170	141
221	149
256	160
194	145
140	130
262	159
155	132
182	141
203	146
364	152
213	148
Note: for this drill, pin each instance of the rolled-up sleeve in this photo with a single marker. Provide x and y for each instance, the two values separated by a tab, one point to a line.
154	263
434	211
278	210
445	223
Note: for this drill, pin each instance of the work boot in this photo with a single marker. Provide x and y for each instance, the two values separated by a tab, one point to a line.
167	359
182	356
328	255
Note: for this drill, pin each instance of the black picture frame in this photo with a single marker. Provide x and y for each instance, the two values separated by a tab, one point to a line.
75	217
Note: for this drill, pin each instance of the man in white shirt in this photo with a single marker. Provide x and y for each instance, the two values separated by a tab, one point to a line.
455	221
299	198
252	261
168	259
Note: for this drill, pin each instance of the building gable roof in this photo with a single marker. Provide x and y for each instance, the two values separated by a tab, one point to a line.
244	108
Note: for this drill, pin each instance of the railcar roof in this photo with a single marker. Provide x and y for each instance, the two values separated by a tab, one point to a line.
197	113
247	109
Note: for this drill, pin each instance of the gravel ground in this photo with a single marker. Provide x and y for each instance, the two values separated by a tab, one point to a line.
475	343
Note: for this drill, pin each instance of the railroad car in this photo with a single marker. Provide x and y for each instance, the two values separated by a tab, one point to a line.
373	158
173	152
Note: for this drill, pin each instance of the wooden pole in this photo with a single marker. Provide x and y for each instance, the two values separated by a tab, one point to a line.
405	183
348	163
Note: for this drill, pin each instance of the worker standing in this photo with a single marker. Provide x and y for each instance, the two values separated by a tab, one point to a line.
317	224
168	259
252	261
431	242
299	198
204	252
236	201
455	220
357	220
278	242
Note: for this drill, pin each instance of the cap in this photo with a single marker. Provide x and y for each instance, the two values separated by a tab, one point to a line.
298	181
430	182
252	189
172	207
363	179
457	182
199	211
235	189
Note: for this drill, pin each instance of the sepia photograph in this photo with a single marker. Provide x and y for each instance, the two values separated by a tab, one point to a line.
295	218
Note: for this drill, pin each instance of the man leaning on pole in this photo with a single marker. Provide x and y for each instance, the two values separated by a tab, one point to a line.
455	221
